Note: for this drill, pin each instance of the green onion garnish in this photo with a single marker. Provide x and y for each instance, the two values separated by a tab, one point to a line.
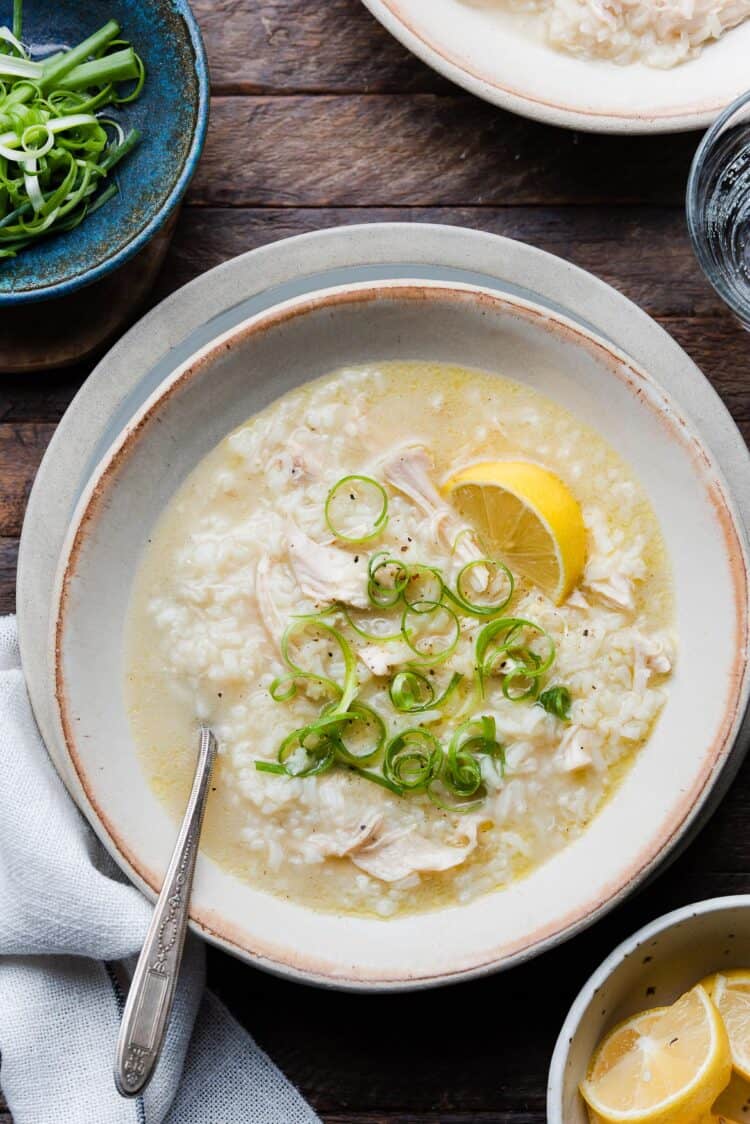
376	637
428	653
363	723
387	580
282	690
413	693
424	589
352	492
350	734
55	152
478	608
557	701
412	759
501	647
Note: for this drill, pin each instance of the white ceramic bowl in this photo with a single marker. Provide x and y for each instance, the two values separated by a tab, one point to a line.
650	969
238	374
472	44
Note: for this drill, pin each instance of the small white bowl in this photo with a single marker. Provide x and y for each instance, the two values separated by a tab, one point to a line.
650	969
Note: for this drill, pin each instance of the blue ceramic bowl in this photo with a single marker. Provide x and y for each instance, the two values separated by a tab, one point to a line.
172	113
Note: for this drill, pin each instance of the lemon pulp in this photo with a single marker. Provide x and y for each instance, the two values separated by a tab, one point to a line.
528	517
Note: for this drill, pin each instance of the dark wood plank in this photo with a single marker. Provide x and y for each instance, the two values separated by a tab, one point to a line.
8	563
384	138
420	150
296	46
21	449
643	251
78	325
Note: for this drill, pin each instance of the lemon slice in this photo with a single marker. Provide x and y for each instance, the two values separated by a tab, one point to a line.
665	1066
730	992
529	519
733	1106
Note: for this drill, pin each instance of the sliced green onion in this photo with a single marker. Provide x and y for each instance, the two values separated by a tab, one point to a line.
557	701
412	759
350	490
115	153
460	787
308	752
424	589
12	66
359	715
17	19
376	778
377	637
348	689
140	77
384	594
479	735
271	767
462	773
432	656
479	608
284	687
413	693
121	66
54	152
500	642
92	46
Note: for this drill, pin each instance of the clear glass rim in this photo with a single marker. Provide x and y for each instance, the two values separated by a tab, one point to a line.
693	210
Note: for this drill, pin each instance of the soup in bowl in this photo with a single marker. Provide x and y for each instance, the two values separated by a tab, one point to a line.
432	564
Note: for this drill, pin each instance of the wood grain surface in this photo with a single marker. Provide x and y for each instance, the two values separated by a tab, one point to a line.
320	118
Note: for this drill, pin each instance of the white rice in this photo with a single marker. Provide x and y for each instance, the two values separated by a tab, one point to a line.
660	33
198	643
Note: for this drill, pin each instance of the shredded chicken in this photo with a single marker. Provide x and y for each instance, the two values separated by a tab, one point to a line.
650	657
409	471
399	853
654	654
381	661
577	600
346	840
616	591
575	750
326	573
269	614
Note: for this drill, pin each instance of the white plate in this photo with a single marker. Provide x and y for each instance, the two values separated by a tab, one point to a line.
214	302
237	375
482	50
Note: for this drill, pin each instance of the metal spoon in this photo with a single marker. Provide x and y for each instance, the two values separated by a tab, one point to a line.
146	1014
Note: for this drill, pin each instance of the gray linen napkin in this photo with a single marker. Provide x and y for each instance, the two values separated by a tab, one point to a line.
69	922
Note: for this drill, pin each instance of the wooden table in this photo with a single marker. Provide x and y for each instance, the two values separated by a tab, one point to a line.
320	118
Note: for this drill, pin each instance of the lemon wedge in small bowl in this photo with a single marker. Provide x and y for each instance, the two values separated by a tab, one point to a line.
527	517
730	992
663	1066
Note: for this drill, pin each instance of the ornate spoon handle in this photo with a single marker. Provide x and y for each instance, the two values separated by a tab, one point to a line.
146	1014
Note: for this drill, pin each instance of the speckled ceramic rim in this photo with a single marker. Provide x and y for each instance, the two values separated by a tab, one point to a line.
669	833
596	981
680	119
62	288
